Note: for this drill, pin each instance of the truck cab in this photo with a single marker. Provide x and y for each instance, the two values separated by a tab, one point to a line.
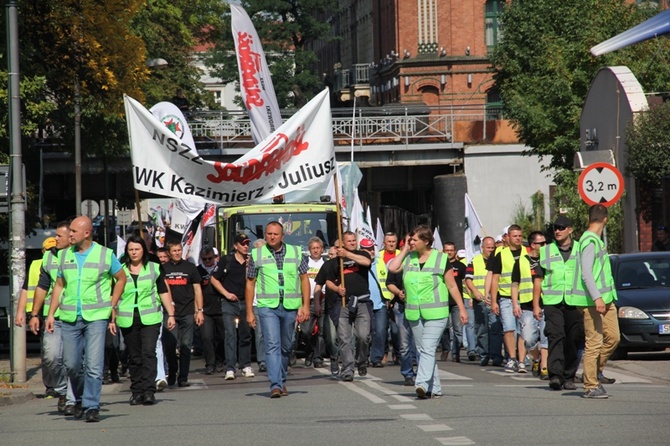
300	221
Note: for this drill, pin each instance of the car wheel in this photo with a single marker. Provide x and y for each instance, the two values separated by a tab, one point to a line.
619	354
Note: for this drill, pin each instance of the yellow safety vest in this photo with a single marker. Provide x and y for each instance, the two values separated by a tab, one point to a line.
427	294
147	302
33	280
268	278
602	273
558	274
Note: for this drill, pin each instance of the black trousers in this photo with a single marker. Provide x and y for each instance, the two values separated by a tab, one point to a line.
212	340
182	335
564	328
140	342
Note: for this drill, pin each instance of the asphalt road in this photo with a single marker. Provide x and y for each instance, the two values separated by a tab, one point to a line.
481	405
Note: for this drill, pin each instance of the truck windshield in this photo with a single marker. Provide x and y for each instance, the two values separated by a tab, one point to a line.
298	227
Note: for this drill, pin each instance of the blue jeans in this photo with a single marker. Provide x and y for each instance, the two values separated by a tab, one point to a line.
406	340
489	334
469	328
426	337
234	343
260	341
460	330
278	331
379	334
84	359
529	328
54	374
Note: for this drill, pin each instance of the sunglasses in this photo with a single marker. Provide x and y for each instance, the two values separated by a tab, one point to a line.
539	243
207	259
559	228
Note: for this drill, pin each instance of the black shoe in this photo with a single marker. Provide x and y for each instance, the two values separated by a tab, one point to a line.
606	380
484	362
50	393
262	367
184	384
78	411
409	381
196	353
318	364
136	399
472	357
114	376
334	367
92	416
220	367
69	410
555	383
569	385
171	380
456	358
62	401
149	399
497	363
377	364
209	371
348	377
362	370
309	360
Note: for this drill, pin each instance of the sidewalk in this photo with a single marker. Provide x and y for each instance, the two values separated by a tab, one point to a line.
17	393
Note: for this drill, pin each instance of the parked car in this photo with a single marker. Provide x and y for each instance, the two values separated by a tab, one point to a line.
643	288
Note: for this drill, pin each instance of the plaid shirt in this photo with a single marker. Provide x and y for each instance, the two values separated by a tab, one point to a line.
252	271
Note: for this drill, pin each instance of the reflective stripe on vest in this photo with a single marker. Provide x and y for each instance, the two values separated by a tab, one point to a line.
427	295
526	281
267	286
382	274
50	263
602	273
505	281
559	274
147	297
93	287
33	280
479	272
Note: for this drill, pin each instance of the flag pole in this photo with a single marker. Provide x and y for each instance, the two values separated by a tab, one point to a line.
139	212
339	229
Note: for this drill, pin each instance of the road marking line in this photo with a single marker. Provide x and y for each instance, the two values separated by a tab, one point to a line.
453	376
455	441
434	427
401	406
403	398
417	417
392	393
196	384
374	398
622	378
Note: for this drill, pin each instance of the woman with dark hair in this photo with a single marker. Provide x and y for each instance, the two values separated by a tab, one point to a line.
138	314
428	281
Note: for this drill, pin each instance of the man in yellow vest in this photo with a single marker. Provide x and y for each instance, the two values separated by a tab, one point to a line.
487	325
83	292
563	321
595	294
277	274
501	291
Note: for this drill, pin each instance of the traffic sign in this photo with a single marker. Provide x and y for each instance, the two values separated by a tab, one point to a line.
601	183
90	208
124	218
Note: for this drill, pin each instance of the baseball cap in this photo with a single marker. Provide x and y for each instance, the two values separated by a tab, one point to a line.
562	220
49	242
499	238
367	243
504	231
461	253
242	239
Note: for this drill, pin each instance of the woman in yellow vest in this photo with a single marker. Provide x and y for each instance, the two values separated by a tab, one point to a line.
428	282
138	314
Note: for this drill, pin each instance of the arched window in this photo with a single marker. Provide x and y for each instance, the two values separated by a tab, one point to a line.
492	25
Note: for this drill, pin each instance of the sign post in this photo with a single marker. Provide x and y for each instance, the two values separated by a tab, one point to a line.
601	183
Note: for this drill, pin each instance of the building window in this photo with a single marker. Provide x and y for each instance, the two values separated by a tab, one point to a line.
492	22
427	14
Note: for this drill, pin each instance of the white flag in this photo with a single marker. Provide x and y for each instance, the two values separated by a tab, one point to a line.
358	222
473	230
120	247
300	153
258	93
379	238
437	240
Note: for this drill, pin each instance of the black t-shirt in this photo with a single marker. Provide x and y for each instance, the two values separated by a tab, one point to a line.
355	275
181	277
328	269
232	275
458	269
211	298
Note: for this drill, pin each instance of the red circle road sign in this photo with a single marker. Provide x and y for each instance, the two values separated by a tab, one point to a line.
601	183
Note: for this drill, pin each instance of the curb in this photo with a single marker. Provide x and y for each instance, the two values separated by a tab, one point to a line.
20	398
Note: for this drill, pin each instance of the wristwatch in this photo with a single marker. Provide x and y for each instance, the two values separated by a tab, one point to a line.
200	310
115	307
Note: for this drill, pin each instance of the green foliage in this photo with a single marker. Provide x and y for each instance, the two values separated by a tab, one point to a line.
530	220
543	67
285	28
648	139
567	201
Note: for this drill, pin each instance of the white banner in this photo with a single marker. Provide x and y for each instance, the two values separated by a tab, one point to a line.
437	240
299	154
358	222
256	87
473	230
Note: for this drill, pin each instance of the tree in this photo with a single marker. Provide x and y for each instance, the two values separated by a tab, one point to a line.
649	153
543	67
285	27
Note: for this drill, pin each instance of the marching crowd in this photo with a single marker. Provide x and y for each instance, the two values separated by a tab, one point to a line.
545	307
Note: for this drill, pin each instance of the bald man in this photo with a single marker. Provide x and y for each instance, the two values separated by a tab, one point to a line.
89	283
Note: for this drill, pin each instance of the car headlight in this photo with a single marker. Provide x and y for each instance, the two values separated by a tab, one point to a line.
632	313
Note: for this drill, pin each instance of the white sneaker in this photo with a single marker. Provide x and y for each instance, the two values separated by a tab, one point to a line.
248	372
161	384
521	367
230	375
